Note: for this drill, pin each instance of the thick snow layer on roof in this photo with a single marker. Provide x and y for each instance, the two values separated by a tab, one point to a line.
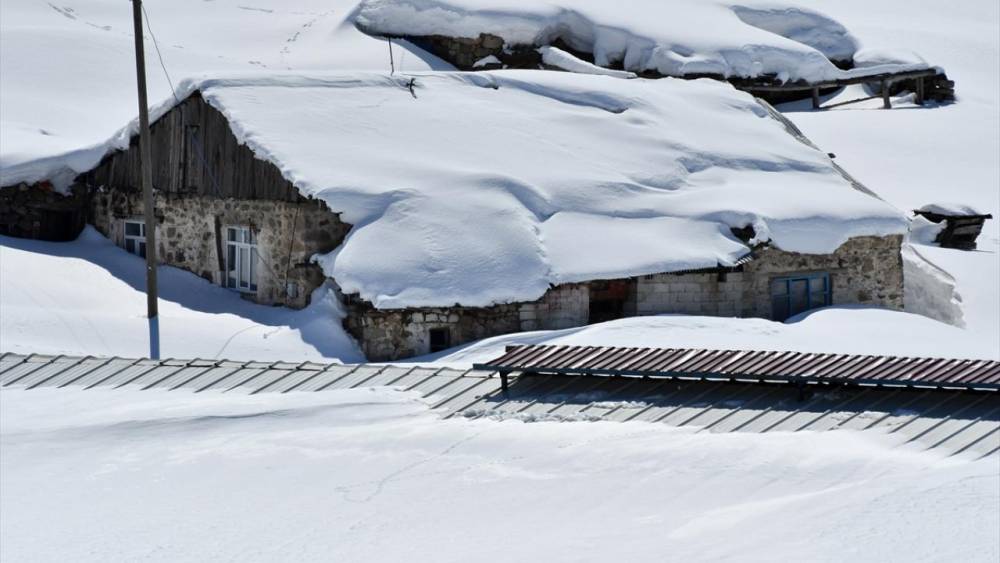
67	68
951	208
560	59
677	38
488	187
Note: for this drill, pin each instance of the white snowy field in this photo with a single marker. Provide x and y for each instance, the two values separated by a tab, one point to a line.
373	475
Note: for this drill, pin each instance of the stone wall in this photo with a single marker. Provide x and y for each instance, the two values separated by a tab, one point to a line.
39	212
463	52
191	235
387	335
865	271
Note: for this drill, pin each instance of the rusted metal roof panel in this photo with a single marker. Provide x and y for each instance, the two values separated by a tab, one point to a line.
800	367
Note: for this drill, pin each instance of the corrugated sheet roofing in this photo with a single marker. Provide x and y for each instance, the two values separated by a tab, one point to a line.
954	423
802	367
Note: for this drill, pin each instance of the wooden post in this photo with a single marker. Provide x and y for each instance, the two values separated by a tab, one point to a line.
886	102
815	96
145	163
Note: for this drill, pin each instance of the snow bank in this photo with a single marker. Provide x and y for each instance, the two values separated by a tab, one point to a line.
477	188
87	297
833	330
685	37
928	290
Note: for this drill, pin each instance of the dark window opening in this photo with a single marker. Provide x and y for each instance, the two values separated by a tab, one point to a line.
440	339
610	300
793	295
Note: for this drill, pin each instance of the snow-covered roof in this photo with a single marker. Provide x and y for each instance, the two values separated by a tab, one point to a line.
67	70
951	208
483	188
676	38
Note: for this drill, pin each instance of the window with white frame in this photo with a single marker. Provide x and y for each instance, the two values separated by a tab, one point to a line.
135	236
241	259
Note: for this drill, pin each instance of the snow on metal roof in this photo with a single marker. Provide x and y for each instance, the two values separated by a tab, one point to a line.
954	423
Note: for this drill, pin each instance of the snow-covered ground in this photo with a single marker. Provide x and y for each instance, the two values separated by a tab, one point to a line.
88	297
834	330
372	475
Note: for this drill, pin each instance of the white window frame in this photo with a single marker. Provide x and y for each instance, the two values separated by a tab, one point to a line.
241	259
138	241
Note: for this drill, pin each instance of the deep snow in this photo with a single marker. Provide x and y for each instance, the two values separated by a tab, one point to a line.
911	157
372	475
476	188
87	297
678	38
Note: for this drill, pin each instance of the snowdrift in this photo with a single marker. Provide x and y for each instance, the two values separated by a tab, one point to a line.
678	38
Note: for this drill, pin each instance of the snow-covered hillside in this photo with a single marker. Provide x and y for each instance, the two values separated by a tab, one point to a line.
372	475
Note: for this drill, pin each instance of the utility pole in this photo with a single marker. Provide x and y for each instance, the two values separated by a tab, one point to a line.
145	164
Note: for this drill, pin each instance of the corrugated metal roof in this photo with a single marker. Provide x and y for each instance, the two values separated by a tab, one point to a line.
796	367
966	423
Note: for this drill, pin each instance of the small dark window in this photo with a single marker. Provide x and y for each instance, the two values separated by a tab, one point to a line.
793	295
440	339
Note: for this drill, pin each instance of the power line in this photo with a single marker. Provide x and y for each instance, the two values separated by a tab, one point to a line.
159	55
199	148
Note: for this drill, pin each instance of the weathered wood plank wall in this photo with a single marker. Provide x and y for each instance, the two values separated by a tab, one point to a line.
196	153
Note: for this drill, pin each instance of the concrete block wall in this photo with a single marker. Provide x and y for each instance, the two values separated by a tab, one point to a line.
691	294
564	306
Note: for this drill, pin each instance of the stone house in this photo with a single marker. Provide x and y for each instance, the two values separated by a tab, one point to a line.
233	218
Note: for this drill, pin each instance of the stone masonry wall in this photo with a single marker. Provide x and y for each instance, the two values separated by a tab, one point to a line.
191	235
863	271
393	334
37	211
